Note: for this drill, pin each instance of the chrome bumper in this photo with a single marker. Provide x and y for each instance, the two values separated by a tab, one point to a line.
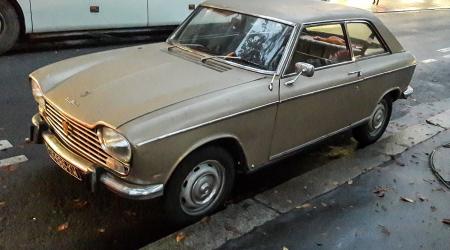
408	92
40	133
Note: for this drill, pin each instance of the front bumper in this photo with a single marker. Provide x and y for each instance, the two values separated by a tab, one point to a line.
41	134
408	92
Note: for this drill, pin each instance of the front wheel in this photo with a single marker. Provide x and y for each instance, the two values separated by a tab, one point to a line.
371	131
9	26
200	185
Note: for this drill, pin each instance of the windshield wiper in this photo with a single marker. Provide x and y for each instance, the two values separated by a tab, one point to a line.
204	59
245	61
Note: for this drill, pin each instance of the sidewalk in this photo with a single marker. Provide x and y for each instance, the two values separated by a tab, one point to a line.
397	206
395	5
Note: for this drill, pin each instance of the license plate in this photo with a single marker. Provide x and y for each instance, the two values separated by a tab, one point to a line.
67	166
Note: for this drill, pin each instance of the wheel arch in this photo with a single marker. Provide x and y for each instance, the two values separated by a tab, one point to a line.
394	93
228	142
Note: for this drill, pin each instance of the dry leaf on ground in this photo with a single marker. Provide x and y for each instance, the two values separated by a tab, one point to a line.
78	203
306	205
421	197
205	220
406	199
101	230
384	230
180	237
380	191
2	204
63	227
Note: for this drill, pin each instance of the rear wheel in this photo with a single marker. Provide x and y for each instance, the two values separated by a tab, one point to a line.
9	26
200	185
371	131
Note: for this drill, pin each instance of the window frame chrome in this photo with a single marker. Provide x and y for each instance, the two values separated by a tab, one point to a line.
308	24
372	27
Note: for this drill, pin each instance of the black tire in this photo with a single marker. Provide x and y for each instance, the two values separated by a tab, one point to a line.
176	206
9	26
365	134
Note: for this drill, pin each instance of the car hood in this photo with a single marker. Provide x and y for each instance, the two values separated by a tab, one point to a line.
117	86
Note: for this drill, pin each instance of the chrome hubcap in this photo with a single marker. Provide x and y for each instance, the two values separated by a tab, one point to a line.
202	187
378	118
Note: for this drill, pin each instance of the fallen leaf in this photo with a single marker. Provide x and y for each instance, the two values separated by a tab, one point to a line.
180	237
289	201
63	227
130	213
384	230
2	204
421	198
324	204
306	205
338	152
205	220
350	182
380	191
78	203
406	199
285	248
10	168
446	221
101	230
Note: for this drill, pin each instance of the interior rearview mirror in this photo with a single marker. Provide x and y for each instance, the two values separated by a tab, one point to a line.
304	69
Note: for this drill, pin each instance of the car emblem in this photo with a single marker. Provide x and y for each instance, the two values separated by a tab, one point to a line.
66	128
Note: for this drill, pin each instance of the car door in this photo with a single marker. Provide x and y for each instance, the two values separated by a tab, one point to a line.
375	61
169	12
66	15
317	106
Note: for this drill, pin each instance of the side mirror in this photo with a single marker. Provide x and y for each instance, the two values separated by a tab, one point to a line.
304	69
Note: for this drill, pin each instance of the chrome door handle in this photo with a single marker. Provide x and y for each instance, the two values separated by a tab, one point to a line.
357	73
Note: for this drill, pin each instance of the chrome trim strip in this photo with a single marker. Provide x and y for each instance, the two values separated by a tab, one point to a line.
131	191
204	124
344	84
273	157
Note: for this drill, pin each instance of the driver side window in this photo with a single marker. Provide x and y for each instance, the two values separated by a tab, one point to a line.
321	45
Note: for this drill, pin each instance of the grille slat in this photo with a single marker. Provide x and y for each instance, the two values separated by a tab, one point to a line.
98	150
79	138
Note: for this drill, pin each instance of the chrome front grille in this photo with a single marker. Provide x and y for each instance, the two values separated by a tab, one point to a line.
76	136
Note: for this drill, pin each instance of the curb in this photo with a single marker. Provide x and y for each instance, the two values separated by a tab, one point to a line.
241	218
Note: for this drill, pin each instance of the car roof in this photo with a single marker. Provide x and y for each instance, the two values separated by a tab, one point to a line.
294	11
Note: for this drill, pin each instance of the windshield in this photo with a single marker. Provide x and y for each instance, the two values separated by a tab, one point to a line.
243	39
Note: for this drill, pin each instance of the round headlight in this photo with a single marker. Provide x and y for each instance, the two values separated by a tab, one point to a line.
115	144
38	95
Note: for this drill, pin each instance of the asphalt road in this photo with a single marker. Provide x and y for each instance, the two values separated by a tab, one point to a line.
42	207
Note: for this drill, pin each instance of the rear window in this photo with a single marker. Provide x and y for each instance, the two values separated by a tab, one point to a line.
364	41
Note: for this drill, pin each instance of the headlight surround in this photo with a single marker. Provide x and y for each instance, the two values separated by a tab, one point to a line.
115	144
38	95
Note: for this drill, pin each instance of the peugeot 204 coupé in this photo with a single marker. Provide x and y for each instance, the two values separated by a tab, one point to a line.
239	85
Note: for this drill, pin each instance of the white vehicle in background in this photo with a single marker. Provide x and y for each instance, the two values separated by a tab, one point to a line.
19	17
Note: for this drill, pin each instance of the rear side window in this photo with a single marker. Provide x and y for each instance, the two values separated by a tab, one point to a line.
321	45
364	40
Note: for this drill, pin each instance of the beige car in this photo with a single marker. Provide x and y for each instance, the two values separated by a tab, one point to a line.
239	85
